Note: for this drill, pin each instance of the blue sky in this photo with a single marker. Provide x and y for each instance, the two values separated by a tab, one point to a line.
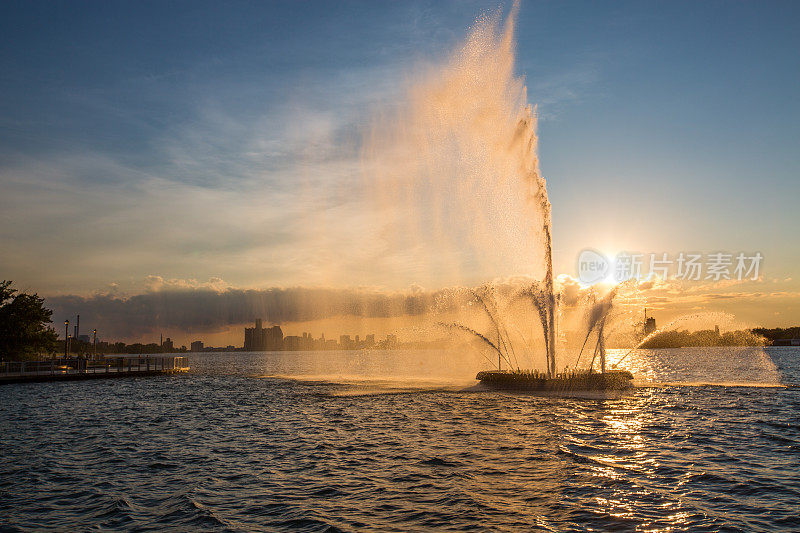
187	140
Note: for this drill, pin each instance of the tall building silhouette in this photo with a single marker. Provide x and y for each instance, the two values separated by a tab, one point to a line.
260	339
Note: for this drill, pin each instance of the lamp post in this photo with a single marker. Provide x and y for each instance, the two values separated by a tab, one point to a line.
94	332
66	338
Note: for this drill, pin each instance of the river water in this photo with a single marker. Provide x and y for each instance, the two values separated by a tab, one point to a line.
392	441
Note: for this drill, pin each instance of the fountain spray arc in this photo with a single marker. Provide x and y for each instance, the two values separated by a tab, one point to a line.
551	299
525	141
453	170
525	144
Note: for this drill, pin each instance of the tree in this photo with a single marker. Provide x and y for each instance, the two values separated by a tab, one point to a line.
24	321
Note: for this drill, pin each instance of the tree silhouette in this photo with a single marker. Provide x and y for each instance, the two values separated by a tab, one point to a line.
24	321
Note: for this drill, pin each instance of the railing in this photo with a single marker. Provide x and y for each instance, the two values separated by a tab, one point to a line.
72	366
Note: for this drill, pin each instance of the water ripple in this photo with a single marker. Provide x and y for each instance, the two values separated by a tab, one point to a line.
231	451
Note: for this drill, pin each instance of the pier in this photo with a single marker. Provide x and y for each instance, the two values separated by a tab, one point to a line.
77	369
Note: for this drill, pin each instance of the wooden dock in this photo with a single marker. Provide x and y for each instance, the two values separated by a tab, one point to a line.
76	369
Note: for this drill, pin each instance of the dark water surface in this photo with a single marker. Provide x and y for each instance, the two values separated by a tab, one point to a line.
360	442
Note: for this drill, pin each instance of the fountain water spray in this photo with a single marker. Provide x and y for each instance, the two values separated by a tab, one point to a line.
454	174
596	320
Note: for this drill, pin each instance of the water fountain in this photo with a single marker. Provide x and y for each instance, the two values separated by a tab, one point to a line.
570	379
464	149
454	178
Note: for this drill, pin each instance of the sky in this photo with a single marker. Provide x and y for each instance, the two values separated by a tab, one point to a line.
154	147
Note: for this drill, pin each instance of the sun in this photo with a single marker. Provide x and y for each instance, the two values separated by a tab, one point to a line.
610	255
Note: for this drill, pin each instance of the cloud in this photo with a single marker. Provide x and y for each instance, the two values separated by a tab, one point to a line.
223	197
570	288
189	305
157	283
653	282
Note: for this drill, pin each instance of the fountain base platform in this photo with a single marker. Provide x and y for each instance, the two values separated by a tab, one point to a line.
521	380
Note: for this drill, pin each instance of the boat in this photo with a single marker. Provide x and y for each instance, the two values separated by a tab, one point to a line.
525	380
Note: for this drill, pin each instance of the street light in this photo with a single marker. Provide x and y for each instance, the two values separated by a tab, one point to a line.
66	338
95	343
